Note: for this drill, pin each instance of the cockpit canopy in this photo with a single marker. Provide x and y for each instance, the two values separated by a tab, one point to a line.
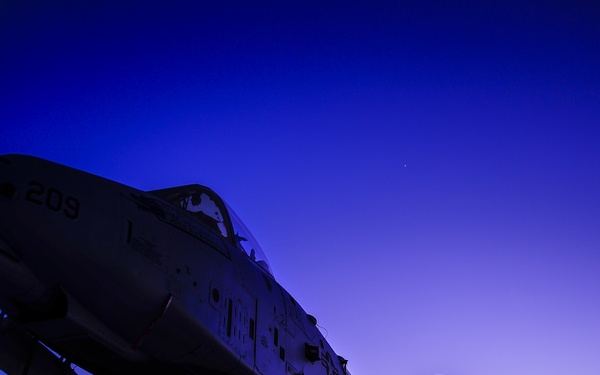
204	204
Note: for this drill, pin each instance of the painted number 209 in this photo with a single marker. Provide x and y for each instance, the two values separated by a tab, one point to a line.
53	199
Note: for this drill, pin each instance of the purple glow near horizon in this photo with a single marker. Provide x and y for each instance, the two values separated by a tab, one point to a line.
424	178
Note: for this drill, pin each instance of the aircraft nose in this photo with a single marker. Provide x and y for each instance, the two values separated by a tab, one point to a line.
7	190
14	277
7	193
16	280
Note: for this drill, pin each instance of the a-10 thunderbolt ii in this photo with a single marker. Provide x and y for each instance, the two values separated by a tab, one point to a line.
122	281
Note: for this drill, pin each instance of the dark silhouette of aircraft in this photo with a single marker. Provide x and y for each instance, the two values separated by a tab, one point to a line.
121	281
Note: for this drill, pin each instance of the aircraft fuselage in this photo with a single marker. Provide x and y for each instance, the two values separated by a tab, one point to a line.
123	281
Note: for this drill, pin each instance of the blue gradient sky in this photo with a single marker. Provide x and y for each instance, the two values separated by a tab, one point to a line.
424	176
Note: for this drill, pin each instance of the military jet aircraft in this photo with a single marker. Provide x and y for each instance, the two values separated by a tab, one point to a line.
122	281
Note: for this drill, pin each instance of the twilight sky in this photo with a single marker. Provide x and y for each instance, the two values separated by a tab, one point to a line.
424	176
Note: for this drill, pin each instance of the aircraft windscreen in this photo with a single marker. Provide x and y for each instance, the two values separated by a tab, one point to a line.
204	204
246	241
205	208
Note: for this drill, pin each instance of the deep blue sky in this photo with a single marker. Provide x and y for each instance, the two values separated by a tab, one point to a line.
424	176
